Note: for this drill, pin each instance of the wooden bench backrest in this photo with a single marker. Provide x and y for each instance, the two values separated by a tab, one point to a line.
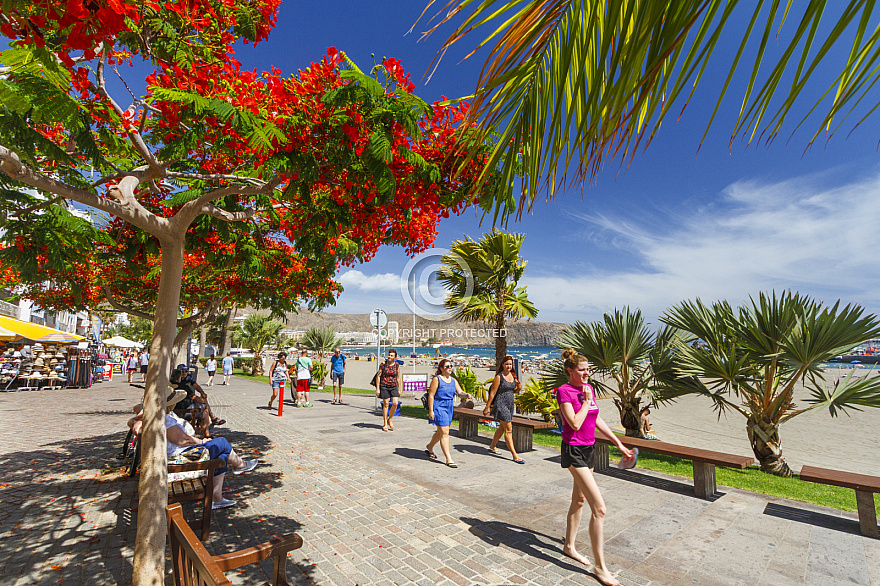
533	423
192	563
851	480
685	452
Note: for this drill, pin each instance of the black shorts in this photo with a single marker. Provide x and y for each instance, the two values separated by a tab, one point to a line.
143	369
578	456
388	392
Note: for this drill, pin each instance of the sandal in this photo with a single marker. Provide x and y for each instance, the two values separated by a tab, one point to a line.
390	427
494	451
520	461
452	464
431	454
384	428
219	422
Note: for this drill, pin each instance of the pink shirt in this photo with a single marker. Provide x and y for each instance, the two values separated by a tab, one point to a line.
586	435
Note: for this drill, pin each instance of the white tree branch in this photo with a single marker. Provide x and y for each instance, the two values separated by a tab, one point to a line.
216	177
108	295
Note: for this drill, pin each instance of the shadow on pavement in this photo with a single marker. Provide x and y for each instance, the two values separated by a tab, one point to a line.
815	518
367	425
665	484
66	508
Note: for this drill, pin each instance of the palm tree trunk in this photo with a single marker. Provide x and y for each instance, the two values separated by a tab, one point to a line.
500	341
148	567
767	446
257	365
629	416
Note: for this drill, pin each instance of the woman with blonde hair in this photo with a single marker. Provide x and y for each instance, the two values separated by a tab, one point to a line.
580	419
441	402
502	394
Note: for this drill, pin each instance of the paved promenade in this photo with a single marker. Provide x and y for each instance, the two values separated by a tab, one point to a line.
373	510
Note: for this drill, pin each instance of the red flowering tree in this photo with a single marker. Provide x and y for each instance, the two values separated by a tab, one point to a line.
330	162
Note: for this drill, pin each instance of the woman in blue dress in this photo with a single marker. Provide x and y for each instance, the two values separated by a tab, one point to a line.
441	402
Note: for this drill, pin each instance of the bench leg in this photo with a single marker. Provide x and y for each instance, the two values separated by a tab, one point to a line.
522	439
600	455
206	505
704	479
867	514
467	427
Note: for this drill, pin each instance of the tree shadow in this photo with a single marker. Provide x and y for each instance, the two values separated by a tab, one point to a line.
67	510
815	518
414	454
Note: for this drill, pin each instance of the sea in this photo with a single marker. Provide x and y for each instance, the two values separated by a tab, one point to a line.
522	352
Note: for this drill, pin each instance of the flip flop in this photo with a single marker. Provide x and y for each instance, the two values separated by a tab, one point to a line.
520	461
452	464
628	463
384	428
494	451
431	454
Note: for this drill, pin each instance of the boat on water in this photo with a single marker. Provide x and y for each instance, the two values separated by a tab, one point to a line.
857	359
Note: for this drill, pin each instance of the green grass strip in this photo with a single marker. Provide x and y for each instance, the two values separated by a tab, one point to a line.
751	479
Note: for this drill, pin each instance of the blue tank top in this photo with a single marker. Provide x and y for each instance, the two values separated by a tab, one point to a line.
445	390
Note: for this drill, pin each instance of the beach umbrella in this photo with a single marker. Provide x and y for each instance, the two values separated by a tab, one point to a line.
7	335
58	337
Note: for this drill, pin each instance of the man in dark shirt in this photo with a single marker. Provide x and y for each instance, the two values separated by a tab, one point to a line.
196	398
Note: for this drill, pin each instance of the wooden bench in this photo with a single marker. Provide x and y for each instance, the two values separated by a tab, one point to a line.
195	489
194	566
864	485
704	461
468	426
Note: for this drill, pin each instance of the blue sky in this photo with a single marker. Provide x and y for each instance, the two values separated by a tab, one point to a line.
724	223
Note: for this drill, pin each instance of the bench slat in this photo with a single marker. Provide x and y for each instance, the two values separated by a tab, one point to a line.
522	421
684	452
851	480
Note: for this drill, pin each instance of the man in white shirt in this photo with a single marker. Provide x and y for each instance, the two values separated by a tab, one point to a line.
145	359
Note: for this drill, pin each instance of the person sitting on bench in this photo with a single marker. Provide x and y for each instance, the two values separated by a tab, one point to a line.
180	441
196	398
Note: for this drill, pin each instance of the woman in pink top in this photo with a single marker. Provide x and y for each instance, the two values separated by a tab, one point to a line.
580	418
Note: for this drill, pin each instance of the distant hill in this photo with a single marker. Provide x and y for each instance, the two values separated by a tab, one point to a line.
450	331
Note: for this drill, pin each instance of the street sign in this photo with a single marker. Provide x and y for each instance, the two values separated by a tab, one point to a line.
378	318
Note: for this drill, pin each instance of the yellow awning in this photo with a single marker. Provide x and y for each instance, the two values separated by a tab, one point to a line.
29	330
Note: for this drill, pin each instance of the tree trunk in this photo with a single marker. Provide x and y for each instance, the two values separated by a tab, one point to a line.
148	567
500	341
629	416
767	446
257	365
226	333
203	340
180	350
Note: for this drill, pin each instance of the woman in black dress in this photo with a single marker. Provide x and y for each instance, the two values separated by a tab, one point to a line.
504	388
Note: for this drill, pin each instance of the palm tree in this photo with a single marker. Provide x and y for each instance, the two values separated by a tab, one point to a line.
581	81
481	277
623	352
323	341
753	359
257	332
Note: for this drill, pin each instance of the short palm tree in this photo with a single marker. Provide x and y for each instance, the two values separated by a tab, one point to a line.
323	341
257	332
627	361
581	81
753	359
481	277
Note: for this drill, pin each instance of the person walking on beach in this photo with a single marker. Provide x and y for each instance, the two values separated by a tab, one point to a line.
388	388
278	373
211	369
441	402
502	395
337	375
580	419
228	364
303	379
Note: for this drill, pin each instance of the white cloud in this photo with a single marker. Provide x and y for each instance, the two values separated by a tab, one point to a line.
355	279
757	237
